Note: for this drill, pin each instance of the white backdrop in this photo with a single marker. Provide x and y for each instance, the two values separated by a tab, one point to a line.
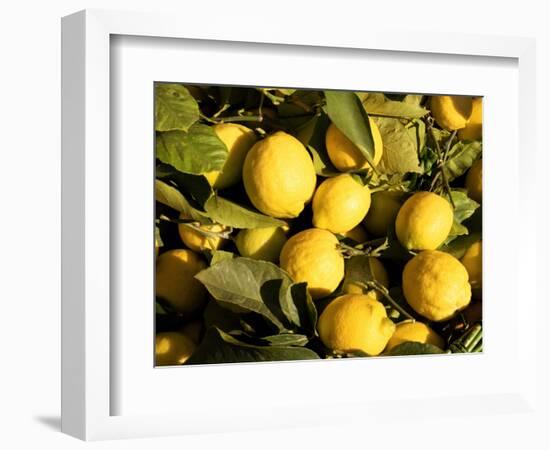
30	187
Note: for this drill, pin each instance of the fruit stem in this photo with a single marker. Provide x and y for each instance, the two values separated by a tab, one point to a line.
441	158
380	288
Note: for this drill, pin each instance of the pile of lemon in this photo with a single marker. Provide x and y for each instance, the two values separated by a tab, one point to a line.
280	180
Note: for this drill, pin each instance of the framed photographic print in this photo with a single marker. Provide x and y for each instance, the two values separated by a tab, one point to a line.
261	235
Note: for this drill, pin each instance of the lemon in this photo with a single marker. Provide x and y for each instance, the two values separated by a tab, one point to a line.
473	184
410	331
279	176
382	212
193	330
172	348
238	139
357	234
424	221
345	155
472	260
436	285
473	129
379	274
175	280
451	111
312	256
198	241
261	243
340	204
355	322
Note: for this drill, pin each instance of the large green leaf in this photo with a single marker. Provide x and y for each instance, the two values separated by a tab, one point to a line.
220	347
313	137
305	308
464	207
175	108
231	214
198	151
220	255
195	188
349	116
286	339
400	147
461	157
247	285
376	103
358	270
457	247
169	195
414	348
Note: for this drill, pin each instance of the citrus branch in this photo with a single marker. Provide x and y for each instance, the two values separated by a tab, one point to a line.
385	293
441	159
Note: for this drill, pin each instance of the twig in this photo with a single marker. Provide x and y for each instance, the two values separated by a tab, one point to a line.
380	288
440	160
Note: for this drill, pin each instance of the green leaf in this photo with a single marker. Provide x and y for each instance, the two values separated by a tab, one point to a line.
159	309
400	147
378	104
175	108
312	136
220	255
227	320
358	270
172	197
457	247
417	131
286	91
286	339
306	310
465	207
247	285
347	113
195	188
461	157
413	99
158	237
414	348
220	347
231	214
198	151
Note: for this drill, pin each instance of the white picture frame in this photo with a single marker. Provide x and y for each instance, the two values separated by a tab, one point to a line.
91	324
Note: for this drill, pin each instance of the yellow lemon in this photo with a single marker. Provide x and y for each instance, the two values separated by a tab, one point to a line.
357	234
312	256
379	274
340	204
238	139
175	280
172	348
355	322
473	129
410	331
472	260
473	184
382	212
345	155
198	241
436	285
424	221
451	111
279	176
261	243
